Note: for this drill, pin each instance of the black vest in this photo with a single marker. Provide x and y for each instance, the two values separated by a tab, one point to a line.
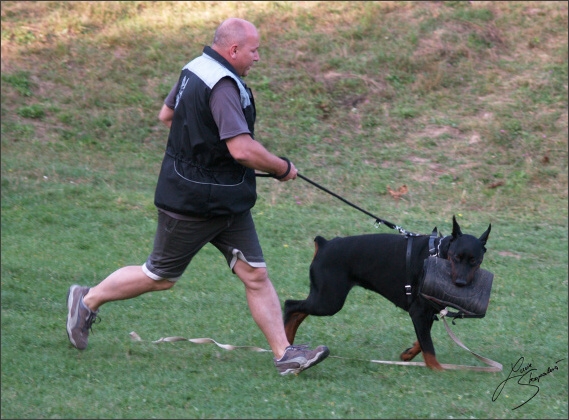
199	177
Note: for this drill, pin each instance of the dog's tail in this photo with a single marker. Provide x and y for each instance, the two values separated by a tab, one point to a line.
319	242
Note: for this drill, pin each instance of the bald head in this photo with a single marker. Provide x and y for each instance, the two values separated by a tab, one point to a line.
233	31
237	40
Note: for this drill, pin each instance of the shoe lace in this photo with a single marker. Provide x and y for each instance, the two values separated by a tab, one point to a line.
298	347
93	318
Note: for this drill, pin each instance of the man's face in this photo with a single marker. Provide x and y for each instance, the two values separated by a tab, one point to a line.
247	53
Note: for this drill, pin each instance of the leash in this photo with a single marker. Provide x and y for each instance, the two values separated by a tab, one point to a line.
492	365
135	337
378	221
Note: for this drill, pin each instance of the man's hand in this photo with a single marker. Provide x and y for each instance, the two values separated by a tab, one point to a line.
290	172
252	154
166	115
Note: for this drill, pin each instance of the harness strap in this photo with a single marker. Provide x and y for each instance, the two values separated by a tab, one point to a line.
432	238
432	251
408	286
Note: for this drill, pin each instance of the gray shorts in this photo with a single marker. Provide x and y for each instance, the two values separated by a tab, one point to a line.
177	241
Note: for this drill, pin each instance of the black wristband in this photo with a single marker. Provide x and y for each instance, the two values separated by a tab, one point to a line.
287	169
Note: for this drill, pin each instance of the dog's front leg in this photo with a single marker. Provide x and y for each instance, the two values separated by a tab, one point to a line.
423	321
410	353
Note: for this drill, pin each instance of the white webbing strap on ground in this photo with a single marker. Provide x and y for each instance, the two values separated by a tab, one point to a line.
492	365
134	336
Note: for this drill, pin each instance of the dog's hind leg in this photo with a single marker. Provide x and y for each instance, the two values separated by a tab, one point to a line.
329	287
292	320
327	296
317	304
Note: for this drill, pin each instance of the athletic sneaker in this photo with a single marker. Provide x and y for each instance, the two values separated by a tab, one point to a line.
79	318
298	358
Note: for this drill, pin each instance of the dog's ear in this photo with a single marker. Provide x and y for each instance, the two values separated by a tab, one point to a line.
455	228
485	235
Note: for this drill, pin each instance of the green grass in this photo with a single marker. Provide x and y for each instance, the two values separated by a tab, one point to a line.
465	103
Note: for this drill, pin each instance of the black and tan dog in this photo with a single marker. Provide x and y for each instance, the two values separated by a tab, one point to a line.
384	264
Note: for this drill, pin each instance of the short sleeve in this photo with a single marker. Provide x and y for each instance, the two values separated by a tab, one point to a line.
170	100
225	105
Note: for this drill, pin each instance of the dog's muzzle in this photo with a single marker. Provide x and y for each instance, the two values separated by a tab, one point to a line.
437	287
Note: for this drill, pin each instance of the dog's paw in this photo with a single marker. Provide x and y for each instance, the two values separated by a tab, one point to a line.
411	352
436	367
406	356
432	362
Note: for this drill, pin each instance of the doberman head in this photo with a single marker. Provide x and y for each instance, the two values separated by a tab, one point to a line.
465	253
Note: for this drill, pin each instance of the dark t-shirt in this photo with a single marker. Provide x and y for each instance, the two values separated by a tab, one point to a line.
225	107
